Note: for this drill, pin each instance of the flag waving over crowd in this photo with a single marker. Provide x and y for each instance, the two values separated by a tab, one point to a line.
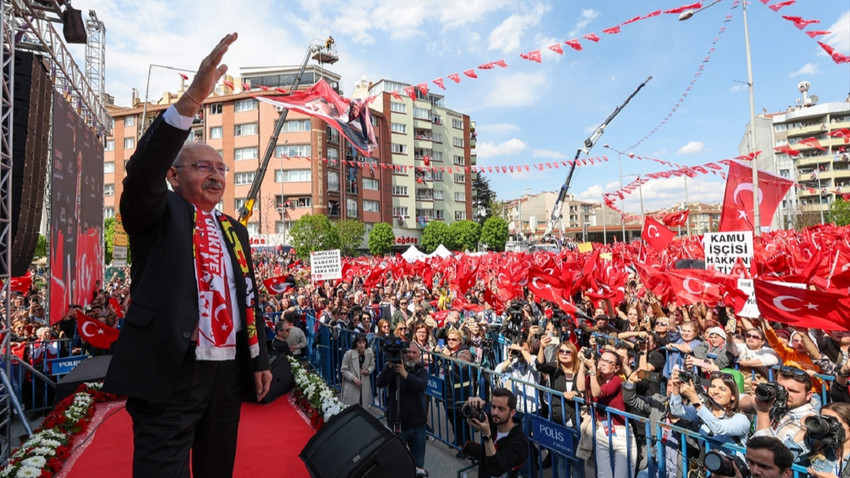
655	234
98	334
737	213
350	117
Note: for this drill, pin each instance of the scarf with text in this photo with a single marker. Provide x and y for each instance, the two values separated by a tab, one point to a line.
216	326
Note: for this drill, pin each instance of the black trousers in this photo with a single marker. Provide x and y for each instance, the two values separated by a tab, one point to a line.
203	416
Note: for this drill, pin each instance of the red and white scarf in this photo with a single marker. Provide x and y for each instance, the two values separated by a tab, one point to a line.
215	278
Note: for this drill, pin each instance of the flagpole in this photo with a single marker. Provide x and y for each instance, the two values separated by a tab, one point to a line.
752	135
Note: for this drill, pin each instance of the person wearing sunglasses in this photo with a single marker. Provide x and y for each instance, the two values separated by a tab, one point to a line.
785	423
562	372
754	358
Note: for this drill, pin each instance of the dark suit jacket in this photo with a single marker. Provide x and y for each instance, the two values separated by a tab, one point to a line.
163	312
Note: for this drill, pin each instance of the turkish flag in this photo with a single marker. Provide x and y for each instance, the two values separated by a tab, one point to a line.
98	334
690	290
676	218
22	283
802	307
655	234
113	302
787	150
279	285
737	213
812	142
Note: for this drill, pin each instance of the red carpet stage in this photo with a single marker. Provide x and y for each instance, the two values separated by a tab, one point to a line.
106	449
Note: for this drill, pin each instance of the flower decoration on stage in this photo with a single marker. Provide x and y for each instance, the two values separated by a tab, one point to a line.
46	450
313	390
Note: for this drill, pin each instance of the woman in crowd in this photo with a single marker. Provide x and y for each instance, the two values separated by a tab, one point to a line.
400	332
424	341
457	383
384	330
357	367
562	374
716	412
616	452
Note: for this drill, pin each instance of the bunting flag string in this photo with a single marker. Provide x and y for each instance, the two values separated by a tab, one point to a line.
728	18
801	24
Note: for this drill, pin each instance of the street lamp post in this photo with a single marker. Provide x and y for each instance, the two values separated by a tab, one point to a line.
751	134
622	201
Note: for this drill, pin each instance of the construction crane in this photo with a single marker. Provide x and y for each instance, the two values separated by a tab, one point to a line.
588	144
321	51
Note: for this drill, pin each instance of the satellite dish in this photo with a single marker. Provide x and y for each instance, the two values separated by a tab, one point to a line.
813	99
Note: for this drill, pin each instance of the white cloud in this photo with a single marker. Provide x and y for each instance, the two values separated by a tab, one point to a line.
663	193
693	147
807	69
594	193
736	88
587	15
510	147
839	36
547	153
517	89
507	37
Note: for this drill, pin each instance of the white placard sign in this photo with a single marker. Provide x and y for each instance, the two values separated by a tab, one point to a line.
751	309
722	249
325	265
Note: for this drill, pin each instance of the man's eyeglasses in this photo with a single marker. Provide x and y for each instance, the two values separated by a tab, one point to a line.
206	167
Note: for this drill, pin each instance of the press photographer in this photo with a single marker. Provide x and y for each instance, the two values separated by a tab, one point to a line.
788	420
406	381
766	457
504	446
828	437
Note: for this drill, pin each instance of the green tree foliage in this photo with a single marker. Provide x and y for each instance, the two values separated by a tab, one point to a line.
484	198
350	232
40	247
108	237
465	235
381	239
434	234
494	234
839	212
313	233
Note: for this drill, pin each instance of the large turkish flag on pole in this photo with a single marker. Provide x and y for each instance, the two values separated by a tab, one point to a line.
737	213
802	307
655	234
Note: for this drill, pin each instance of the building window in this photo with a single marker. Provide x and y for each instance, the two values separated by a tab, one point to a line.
110	145
108	212
245	105
371	185
215	132
129	121
351	207
398	107
244	178
333	181
253	228
440	215
400	212
129	143
400	191
460	178
292	126
424	195
108	167
398	148
457	123
248	129
779	128
215	109
245	153
438	195
437	156
293	176
292	150
399	128
333	135
437	137
460	195
422	113
426	214
371	206
436	176
108	189
333	154
458	160
460	215
458	142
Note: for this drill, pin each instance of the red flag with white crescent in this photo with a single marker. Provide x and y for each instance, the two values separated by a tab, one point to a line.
98	334
278	285
655	234
802	307
737	213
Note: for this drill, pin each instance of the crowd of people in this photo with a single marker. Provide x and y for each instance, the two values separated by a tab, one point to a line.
725	377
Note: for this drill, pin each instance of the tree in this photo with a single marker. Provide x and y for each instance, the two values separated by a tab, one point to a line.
350	232
434	234
108	238
494	234
839	212
381	239
40	247
465	235
484	198
313	233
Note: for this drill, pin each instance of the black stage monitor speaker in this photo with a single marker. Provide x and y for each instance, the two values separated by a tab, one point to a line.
281	379
355	444
72	25
690	264
91	369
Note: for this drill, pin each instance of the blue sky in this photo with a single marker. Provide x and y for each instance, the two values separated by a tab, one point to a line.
529	112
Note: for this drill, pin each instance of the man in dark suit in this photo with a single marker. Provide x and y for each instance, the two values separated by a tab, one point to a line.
190	344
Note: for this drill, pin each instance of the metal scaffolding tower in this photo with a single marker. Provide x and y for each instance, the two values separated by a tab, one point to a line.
96	55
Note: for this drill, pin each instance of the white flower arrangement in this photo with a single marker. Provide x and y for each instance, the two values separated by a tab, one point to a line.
315	390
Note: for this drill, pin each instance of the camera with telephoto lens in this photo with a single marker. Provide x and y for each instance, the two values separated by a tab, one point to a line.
394	350
720	464
824	430
469	411
685	376
767	391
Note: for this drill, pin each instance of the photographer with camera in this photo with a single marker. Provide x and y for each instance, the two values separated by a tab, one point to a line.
766	457
406	380
828	438
504	447
716	411
781	407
